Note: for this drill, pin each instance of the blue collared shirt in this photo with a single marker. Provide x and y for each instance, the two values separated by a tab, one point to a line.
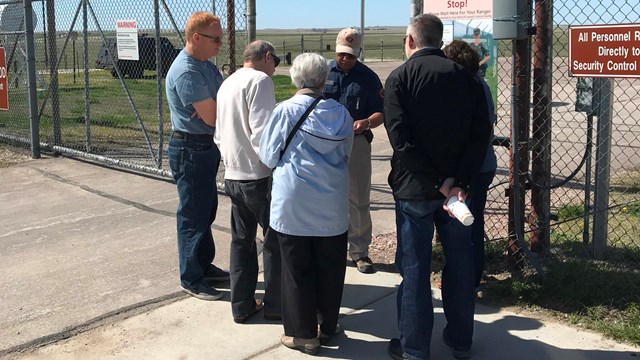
359	90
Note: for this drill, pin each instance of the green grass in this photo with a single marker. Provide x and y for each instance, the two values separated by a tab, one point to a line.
570	211
601	295
284	88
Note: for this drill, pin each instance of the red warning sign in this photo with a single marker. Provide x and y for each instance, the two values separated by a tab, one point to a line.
4	84
604	50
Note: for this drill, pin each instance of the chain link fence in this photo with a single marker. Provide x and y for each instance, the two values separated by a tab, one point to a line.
570	157
90	104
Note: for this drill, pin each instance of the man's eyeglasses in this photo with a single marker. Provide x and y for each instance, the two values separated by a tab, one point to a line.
276	60
216	40
404	39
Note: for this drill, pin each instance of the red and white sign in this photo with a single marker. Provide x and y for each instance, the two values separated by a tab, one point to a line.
127	39
604	50
459	9
4	84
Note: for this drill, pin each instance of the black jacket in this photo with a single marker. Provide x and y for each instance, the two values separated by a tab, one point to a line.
436	116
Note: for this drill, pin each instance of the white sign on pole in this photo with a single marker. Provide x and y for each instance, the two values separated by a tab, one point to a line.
459	9
127	39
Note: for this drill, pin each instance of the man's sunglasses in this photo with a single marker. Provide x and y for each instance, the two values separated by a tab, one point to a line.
276	60
217	39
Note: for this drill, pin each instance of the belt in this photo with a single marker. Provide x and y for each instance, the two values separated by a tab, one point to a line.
179	135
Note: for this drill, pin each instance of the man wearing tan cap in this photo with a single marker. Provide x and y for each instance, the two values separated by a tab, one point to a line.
358	88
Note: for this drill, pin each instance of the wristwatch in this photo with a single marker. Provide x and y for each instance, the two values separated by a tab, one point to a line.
368	124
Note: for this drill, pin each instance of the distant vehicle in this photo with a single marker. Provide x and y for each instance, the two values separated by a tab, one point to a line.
147	55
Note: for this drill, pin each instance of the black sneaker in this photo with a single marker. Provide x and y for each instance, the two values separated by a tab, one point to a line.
458	352
395	350
214	273
364	265
202	291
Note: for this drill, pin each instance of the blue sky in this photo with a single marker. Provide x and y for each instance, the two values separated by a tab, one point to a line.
288	14
291	14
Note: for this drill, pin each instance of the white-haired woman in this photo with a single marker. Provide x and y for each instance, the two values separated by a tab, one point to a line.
309	203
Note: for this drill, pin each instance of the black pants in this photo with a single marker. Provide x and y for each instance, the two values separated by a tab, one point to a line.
249	207
313	271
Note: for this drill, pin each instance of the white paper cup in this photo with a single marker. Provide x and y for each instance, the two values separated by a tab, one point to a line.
460	211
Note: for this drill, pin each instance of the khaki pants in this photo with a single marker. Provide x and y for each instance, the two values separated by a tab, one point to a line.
359	198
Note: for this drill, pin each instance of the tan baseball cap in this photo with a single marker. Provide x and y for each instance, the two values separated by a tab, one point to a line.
349	41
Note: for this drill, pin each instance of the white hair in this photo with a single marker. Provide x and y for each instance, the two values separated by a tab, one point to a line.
309	70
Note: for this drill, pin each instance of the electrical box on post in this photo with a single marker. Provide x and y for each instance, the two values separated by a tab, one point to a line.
510	20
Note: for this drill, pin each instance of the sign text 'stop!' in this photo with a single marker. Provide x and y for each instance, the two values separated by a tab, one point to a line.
604	50
459	9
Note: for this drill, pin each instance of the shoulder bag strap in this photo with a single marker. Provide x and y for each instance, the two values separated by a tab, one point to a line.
298	124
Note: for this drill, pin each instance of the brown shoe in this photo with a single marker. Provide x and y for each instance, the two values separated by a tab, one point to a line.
364	265
307	346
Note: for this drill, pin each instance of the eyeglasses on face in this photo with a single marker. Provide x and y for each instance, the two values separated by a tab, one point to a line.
404	39
216	39
276	60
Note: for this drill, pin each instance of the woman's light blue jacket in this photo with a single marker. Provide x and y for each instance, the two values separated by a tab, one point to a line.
310	190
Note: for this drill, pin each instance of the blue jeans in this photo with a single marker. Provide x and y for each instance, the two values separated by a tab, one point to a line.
250	201
479	186
194	165
415	221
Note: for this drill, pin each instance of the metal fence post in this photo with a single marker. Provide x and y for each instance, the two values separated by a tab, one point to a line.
603	89
231	34
251	20
53	72
87	101
159	76
31	70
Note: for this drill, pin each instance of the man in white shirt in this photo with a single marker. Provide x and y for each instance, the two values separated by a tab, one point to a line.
245	102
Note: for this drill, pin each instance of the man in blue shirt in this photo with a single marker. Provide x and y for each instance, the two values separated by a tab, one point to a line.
191	85
358	88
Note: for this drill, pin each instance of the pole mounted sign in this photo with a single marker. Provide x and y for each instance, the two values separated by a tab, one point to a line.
604	51
4	85
127	39
459	9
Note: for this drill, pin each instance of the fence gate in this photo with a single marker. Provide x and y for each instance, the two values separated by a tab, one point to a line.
90	104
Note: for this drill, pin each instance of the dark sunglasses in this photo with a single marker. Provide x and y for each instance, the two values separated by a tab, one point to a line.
276	60
216	40
404	39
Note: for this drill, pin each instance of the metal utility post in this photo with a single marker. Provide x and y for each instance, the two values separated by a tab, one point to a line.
520	113
416	7
53	72
251	20
362	29
541	136
603	96
31	70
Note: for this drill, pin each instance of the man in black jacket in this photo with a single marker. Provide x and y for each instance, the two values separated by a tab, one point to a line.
436	118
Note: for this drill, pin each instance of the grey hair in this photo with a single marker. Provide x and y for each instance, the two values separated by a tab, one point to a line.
426	30
309	70
257	50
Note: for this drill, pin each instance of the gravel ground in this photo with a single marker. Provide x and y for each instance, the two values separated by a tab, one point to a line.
10	155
